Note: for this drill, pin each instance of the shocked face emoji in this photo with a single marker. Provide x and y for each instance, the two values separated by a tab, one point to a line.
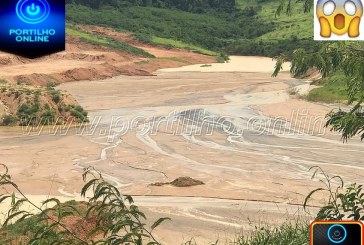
339	17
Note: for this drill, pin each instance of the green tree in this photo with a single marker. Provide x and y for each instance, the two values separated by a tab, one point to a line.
344	56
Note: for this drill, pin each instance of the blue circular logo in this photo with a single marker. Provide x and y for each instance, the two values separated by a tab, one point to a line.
32	11
337	234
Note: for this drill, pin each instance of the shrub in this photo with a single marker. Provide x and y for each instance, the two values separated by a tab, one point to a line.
56	98
79	116
293	91
51	85
47	117
79	113
222	58
343	202
288	233
56	94
9	120
143	37
118	219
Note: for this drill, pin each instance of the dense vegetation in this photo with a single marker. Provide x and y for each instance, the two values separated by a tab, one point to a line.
332	58
332	89
207	30
346	58
271	47
198	6
242	27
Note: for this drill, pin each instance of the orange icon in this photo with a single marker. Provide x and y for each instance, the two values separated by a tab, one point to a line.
339	17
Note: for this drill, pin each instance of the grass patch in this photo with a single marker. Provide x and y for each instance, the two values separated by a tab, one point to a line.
79	113
253	30
211	31
173	59
289	32
289	233
107	42
142	62
179	44
333	89
87	36
298	24
9	120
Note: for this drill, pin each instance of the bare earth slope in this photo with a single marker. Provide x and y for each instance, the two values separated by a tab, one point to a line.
85	61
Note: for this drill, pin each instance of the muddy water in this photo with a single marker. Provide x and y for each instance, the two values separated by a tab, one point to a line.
184	122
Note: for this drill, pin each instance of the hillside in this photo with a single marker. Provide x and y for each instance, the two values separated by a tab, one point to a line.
114	37
27	93
236	27
297	24
110	38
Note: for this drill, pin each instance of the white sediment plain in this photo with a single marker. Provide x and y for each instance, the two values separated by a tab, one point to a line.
203	122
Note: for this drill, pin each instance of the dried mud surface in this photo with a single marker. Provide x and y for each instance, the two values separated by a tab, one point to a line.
234	131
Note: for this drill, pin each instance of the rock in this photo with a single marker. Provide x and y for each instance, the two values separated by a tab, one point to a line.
181	182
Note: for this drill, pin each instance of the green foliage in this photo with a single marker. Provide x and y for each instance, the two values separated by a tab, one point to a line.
348	123
287	6
27	113
9	120
222	58
171	43
128	48
272	48
87	36
56	95
48	117
293	91
212	31
334	89
197	6
79	113
296	24
36	111
343	203
107	42
244	28
296	233
118	219
176	44
345	57
52	85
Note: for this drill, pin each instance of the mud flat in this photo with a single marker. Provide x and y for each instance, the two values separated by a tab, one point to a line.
234	128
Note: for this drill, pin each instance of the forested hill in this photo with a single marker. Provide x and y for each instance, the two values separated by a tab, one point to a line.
242	27
195	6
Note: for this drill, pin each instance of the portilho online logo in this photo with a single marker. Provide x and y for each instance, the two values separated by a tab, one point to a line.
32	11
